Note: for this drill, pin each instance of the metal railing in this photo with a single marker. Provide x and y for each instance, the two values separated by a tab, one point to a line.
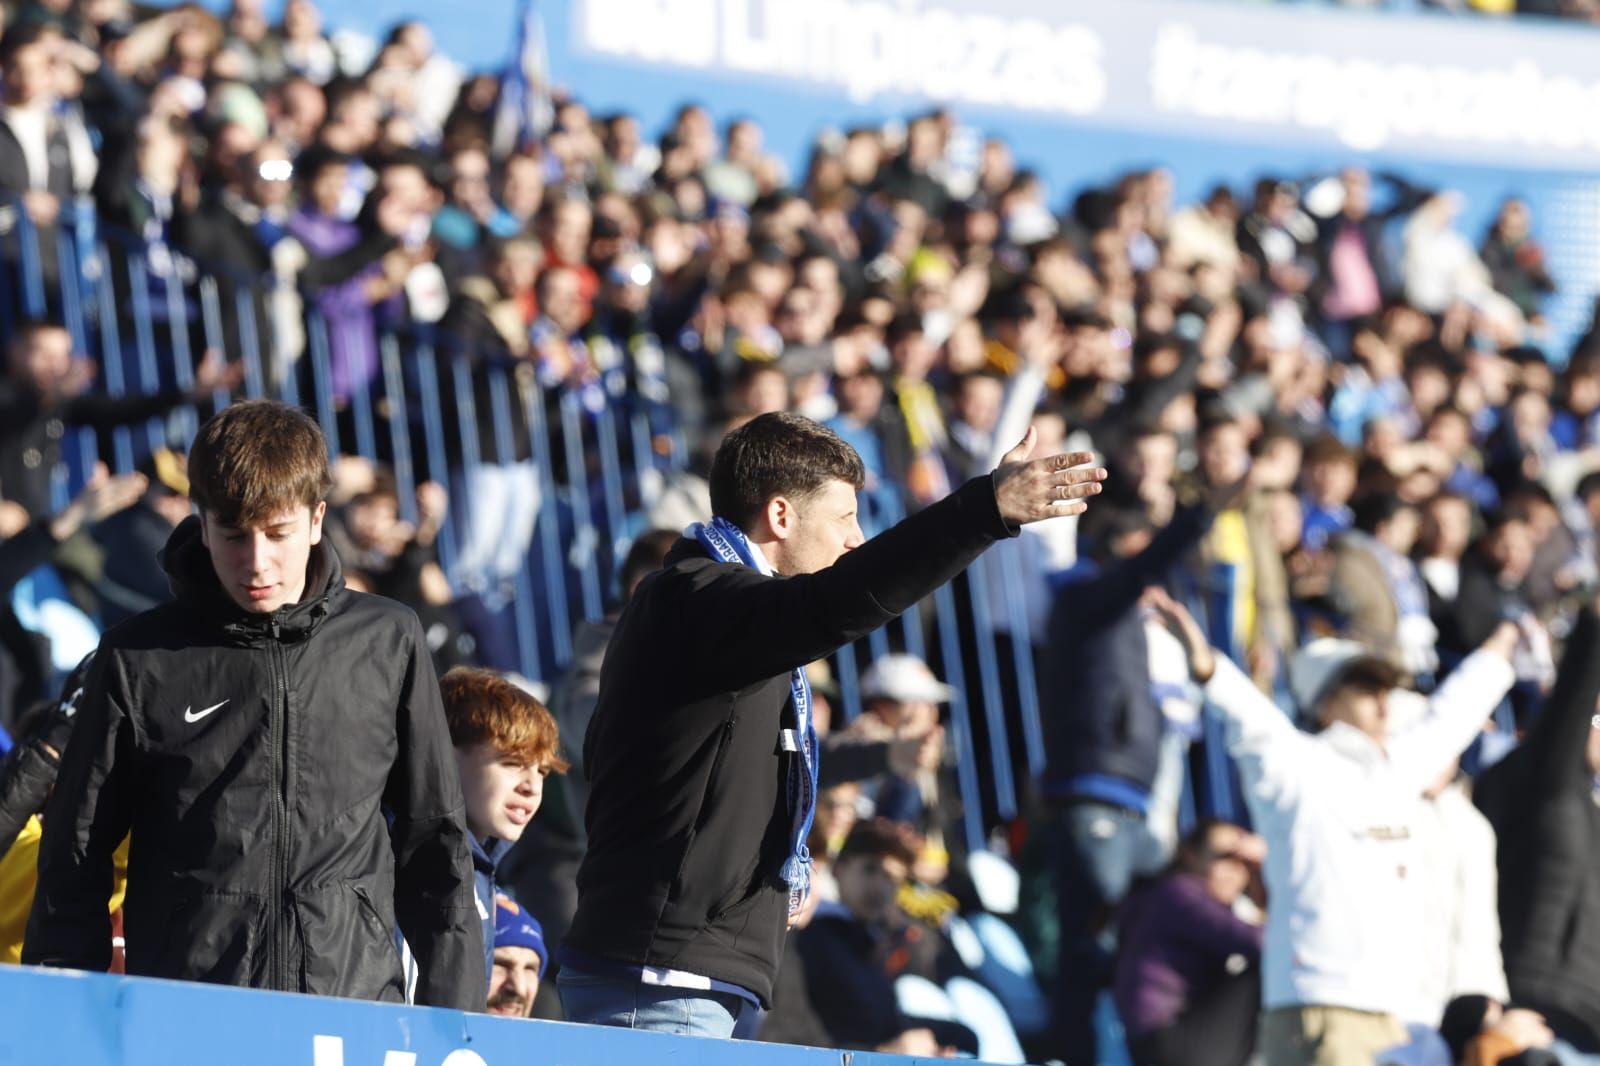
436	407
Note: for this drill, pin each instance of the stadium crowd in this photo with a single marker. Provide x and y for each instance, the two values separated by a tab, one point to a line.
1319	382
1585	10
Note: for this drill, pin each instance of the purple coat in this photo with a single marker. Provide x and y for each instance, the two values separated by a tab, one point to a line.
345	309
1176	939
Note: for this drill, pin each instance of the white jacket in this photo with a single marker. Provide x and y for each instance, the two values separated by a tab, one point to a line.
1345	895
1462	921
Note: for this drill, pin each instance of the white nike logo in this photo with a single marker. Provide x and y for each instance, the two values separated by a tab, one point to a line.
195	716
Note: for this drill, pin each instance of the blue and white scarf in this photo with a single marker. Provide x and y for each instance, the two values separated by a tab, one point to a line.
727	543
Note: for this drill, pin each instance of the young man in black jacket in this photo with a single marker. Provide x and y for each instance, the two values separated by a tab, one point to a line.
276	744
700	755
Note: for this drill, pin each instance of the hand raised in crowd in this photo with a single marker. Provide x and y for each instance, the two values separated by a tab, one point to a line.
102	497
432	503
1176	617
1042	343
1032	490
916	753
1505	639
78	378
13	519
214	372
920	1043
42	207
1524	1028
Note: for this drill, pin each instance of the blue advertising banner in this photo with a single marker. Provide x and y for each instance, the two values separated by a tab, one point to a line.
1214	90
96	1020
1468	89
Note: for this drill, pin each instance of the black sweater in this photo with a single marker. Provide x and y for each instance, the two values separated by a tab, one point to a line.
1541	799
688	818
1095	677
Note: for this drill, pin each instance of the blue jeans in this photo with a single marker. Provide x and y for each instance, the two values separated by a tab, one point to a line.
501	504
1571	1056
1098	850
634	1005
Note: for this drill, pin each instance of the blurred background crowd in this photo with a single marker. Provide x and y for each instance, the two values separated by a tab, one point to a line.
525	327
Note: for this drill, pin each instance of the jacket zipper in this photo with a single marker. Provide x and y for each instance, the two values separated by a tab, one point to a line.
280	815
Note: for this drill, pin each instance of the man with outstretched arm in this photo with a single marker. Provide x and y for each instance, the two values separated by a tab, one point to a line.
701	755
1343	874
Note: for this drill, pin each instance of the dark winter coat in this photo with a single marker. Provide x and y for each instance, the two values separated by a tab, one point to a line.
291	790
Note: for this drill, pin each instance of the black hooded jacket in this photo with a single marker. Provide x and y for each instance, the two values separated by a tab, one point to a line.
290	787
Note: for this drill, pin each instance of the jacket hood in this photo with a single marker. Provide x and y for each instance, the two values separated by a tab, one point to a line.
488	854
193	580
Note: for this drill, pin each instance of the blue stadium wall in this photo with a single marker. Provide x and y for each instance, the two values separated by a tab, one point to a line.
1218	90
70	1019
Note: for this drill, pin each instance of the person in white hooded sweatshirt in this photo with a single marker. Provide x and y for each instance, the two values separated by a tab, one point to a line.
1346	900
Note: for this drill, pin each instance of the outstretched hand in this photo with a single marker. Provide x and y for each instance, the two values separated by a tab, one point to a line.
102	497
1031	490
1176	617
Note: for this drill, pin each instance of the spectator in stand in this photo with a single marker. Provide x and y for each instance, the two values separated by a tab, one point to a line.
977	407
374	269
1457	845
306	52
259	593
1577	422
520	959
1492	578
1442	545
914	360
1329	481
900	708
1515	260
875	430
506	744
1372	387
1103	733
38	164
46	390
1376	588
131	540
1450	430
1204	233
470	215
1353	258
563	226
1344	935
26	780
396	559
1275	238
1545	806
1440	268
784	488
854	950
1188	977
29	661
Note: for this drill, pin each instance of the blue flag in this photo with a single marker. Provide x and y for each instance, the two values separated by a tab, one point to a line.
525	112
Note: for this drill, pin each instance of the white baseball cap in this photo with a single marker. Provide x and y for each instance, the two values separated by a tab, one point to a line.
904	679
1318	666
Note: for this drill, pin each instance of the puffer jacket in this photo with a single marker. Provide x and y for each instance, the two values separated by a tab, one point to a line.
291	790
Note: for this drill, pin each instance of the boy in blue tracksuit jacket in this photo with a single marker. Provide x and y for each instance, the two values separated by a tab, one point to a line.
506	743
